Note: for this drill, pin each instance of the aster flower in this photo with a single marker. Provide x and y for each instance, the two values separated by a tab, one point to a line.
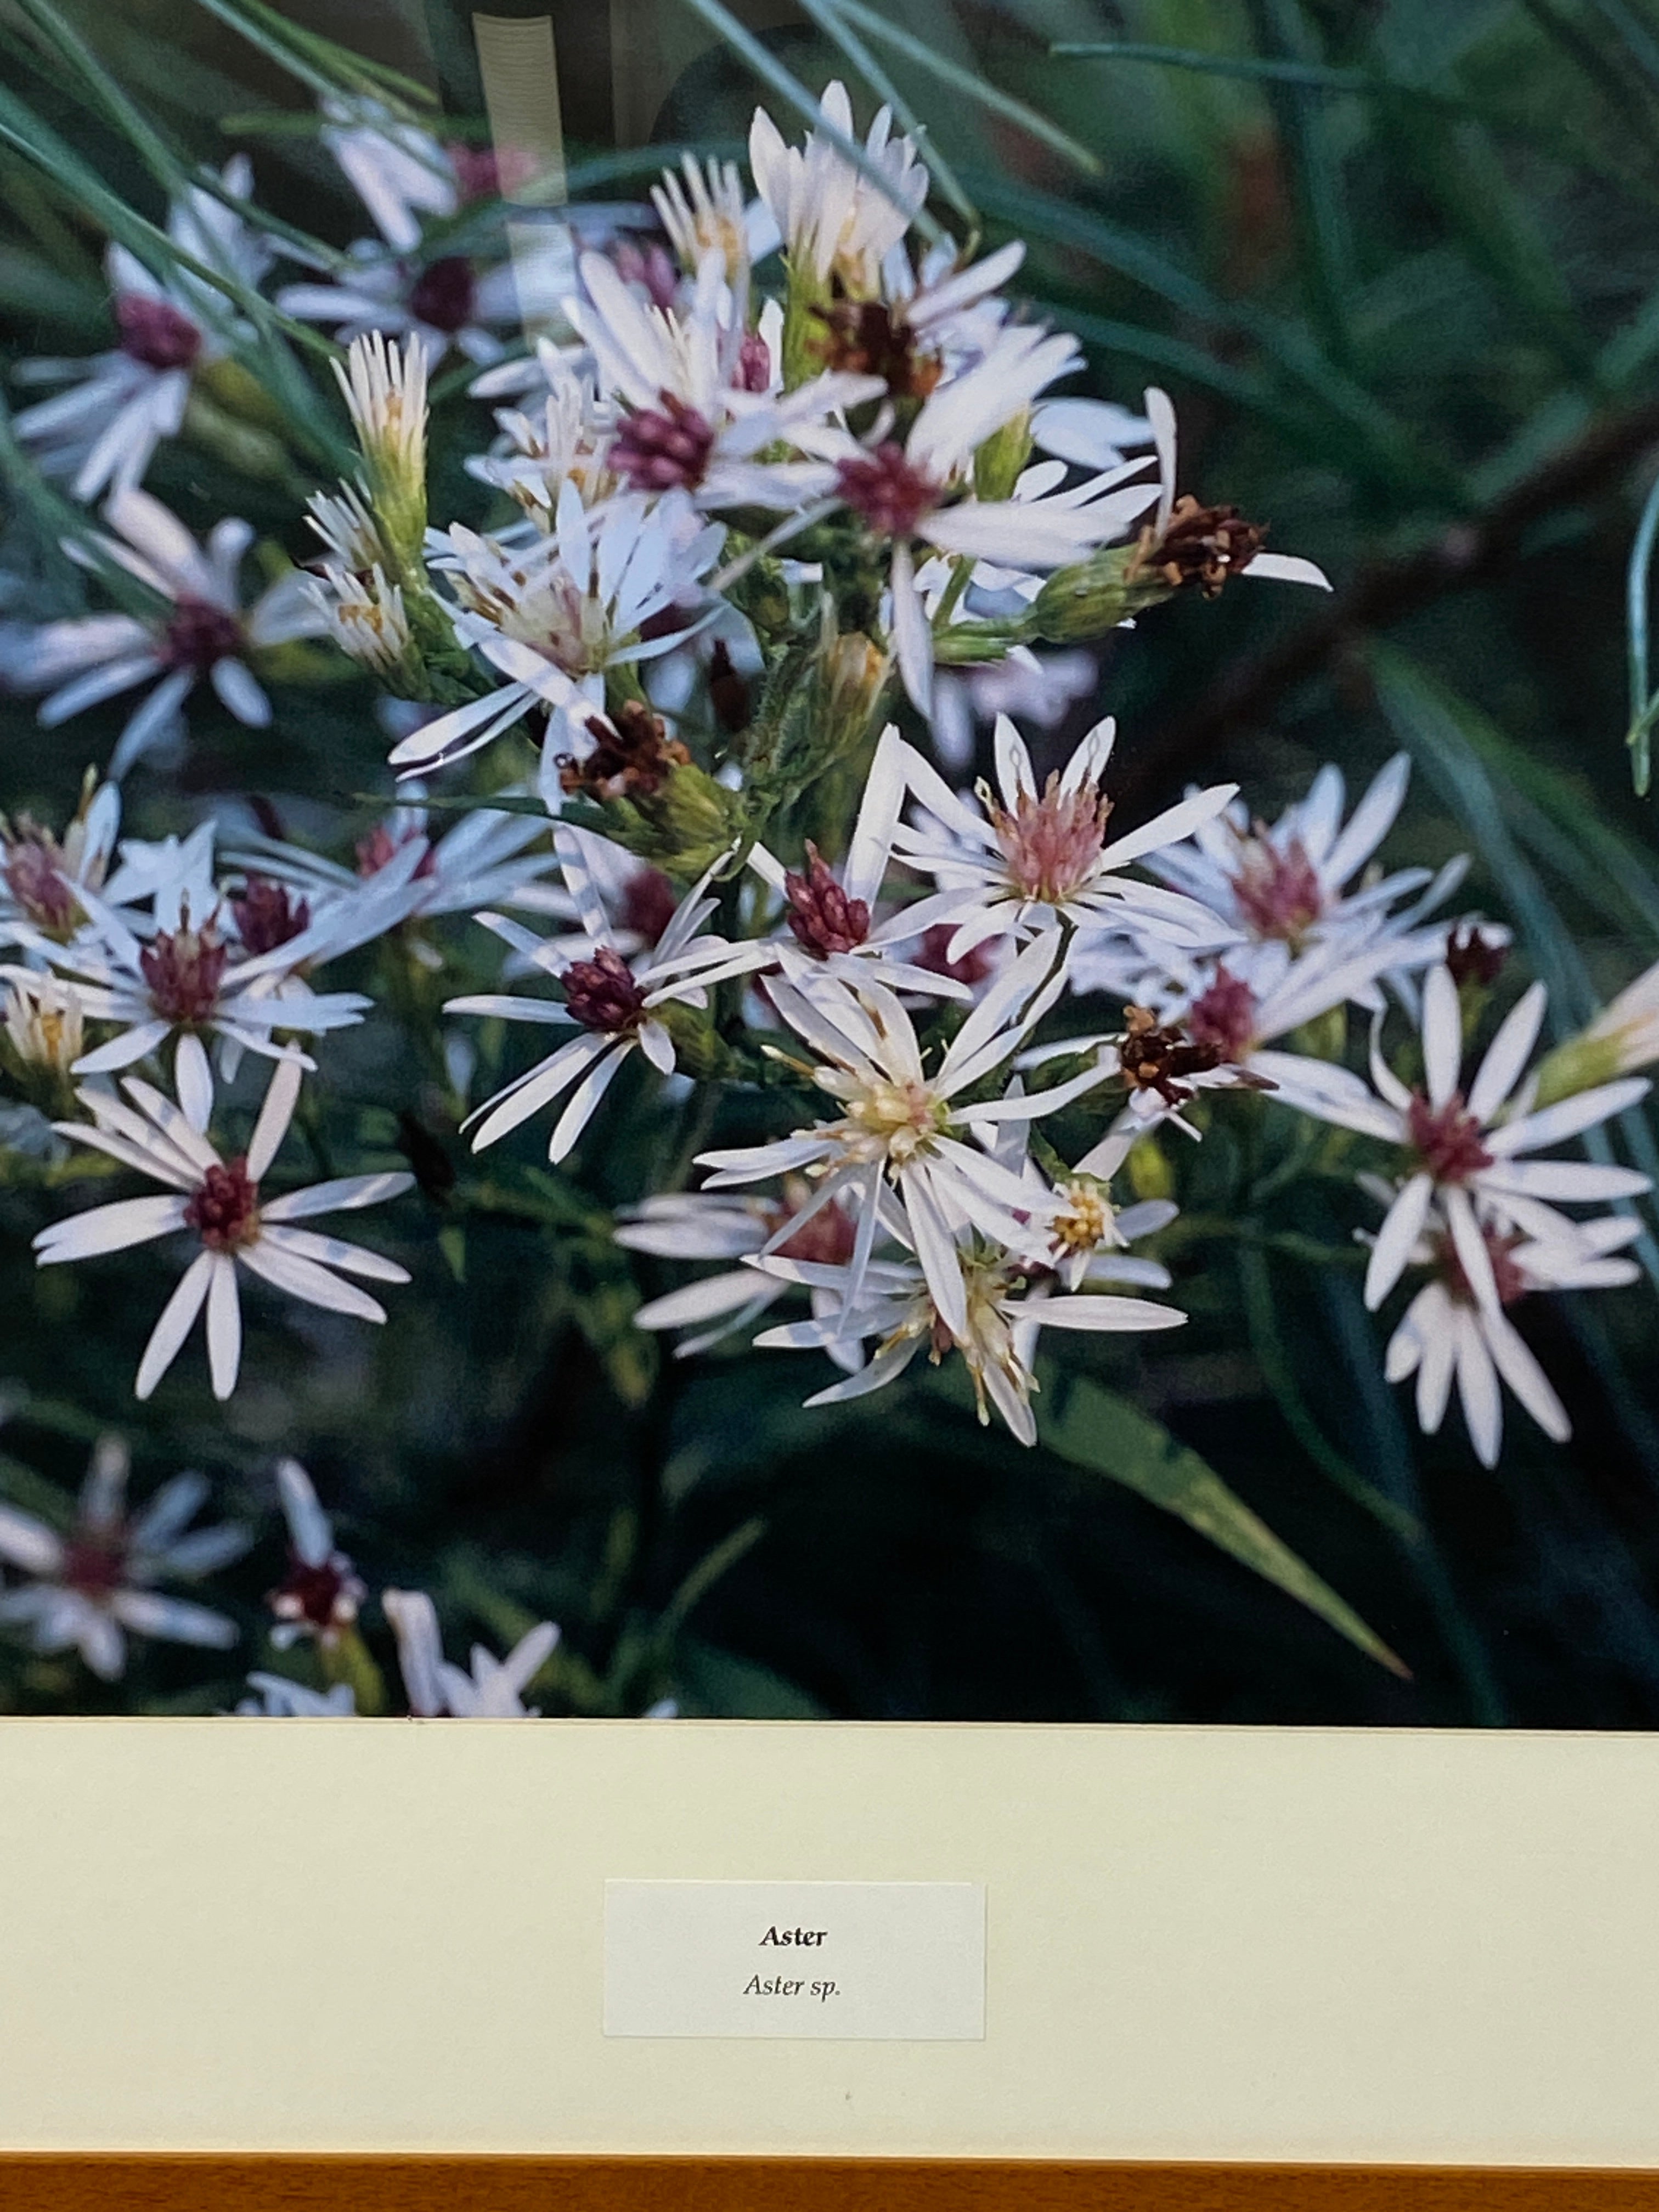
219	1204
561	437
1449	1333
1186	543
41	876
702	208
91	1589
1466	1152
701	415
835	222
616	1002
552	618
915	492
319	1596
1624	1037
905	1127
1024	857
710	1225
191	979
1084	1237
1299	880
991	1319
103	431
205	631
494	1689
44	1024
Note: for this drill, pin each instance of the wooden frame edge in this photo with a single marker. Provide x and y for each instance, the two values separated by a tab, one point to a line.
352	2182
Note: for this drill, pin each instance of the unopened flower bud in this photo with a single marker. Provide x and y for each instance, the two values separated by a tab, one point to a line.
1089	598
1622	1039
385	389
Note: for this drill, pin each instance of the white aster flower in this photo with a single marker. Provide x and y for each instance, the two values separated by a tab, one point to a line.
44	1022
991	1318
552	618
205	632
919	492
835	221
1024	857
494	1688
562	437
701	206
218	1203
700	413
615	1003
712	1225
1447	1333
103	431
93	1587
321	1594
1466	1151
1299	879
41	876
903	1127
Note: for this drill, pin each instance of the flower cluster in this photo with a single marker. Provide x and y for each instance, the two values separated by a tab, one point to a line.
785	500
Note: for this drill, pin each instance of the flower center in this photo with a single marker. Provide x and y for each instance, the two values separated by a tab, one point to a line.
444	294
651	267
657	449
934	954
1473	958
156	333
1053	844
37	883
754	364
268	915
324	1597
1085	1219
864	337
1156	1059
904	1118
1447	1140
602	994
224	1209
822	917
1222	1019
883	487
198	635
184	969
1201	545
380	848
1509	1278
632	757
648	903
1278	893
95	1565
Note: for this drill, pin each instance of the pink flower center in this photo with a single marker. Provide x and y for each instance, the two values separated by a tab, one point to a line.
648	904
1511	1281
156	333
822	917
444	294
268	915
934	954
324	1597
35	881
1222	1017
198	635
883	487
1278	893
658	449
651	268
224	1208
754	364
1446	1138
602	994
185	969
1053	844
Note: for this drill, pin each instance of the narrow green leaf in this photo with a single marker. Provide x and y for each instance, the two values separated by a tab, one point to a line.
1638	593
1104	1433
971	86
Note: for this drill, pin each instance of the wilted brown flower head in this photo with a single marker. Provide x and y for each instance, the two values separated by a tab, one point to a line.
1201	545
631	757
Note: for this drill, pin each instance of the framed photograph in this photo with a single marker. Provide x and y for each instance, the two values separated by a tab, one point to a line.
829	954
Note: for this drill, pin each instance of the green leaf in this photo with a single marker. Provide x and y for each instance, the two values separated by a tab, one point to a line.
713	1682
1104	1433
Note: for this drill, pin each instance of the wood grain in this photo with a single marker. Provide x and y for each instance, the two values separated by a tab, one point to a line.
119	2182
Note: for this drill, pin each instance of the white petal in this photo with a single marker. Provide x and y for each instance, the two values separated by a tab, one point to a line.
178	1317
1391	1255
342	1194
1442	1035
192	1079
224	1326
277	1111
1506	1055
109	1228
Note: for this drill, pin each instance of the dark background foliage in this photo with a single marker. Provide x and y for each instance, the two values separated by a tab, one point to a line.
1398	262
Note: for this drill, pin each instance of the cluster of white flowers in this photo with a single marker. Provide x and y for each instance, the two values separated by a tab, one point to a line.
734	522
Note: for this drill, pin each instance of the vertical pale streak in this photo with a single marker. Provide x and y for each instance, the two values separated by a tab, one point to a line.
519	70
